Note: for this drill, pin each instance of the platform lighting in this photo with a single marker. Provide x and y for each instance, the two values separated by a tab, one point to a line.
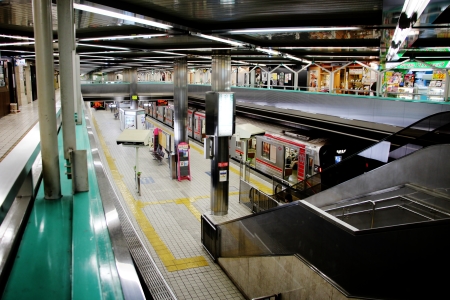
107	52
200	49
119	16
297	29
215	38
123	37
16	37
15	44
169	53
411	11
296	58
100	46
268	51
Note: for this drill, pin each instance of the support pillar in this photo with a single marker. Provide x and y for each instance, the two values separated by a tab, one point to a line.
28	87
66	46
130	75
42	19
180	100
79	97
220	82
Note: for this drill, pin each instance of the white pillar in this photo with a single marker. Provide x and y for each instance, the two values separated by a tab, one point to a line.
42	19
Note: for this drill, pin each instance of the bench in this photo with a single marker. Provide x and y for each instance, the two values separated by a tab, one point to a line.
158	155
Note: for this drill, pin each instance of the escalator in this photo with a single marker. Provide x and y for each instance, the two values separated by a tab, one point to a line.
382	235
432	130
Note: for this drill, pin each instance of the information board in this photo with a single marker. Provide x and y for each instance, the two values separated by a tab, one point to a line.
184	166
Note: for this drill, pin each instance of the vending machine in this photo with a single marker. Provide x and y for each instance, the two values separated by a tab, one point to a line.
184	165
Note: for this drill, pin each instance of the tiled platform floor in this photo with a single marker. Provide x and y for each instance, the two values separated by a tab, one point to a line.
167	214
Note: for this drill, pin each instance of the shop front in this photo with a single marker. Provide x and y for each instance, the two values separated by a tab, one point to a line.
417	80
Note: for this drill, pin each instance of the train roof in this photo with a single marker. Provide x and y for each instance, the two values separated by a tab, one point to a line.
248	130
297	141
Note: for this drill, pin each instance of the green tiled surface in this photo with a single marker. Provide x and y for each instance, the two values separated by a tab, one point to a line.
66	251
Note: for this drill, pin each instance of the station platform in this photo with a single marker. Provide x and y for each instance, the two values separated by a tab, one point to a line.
167	214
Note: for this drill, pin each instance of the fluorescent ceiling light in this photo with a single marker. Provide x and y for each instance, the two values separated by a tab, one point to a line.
299	29
119	16
16	37
105	52
218	39
15	44
20	51
269	51
123	37
296	58
411	11
169	53
200	49
327	48
100	46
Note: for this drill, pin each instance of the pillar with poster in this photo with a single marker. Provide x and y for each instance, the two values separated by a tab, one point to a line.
183	163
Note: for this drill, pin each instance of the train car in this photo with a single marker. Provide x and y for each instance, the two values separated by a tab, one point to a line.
169	115
236	150
191	121
287	157
199	125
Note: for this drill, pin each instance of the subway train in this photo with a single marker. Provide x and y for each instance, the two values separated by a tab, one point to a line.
291	155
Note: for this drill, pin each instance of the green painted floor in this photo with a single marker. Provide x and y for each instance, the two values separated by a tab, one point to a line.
66	251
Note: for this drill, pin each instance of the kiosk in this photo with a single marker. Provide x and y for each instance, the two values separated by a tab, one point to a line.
132	118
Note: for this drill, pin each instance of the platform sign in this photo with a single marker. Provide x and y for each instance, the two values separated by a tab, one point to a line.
220	111
184	165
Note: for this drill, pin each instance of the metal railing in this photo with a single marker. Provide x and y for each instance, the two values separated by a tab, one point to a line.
210	237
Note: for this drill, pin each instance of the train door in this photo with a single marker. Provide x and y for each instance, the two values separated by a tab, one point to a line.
301	164
199	126
251	151
309	161
169	116
190	119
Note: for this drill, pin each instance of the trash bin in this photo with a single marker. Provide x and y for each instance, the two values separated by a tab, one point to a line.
13	108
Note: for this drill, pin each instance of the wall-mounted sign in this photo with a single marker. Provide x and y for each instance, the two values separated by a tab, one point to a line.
162	102
134	97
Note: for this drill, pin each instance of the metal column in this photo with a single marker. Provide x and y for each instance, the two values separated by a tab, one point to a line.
180	100
220	82
79	97
66	45
28	82
132	78
42	19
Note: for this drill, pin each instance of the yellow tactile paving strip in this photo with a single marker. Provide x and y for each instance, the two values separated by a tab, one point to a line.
136	207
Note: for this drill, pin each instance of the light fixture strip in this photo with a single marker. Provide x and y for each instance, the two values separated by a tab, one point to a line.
16	37
119	16
100	46
16	44
169	53
123	37
298	29
218	39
